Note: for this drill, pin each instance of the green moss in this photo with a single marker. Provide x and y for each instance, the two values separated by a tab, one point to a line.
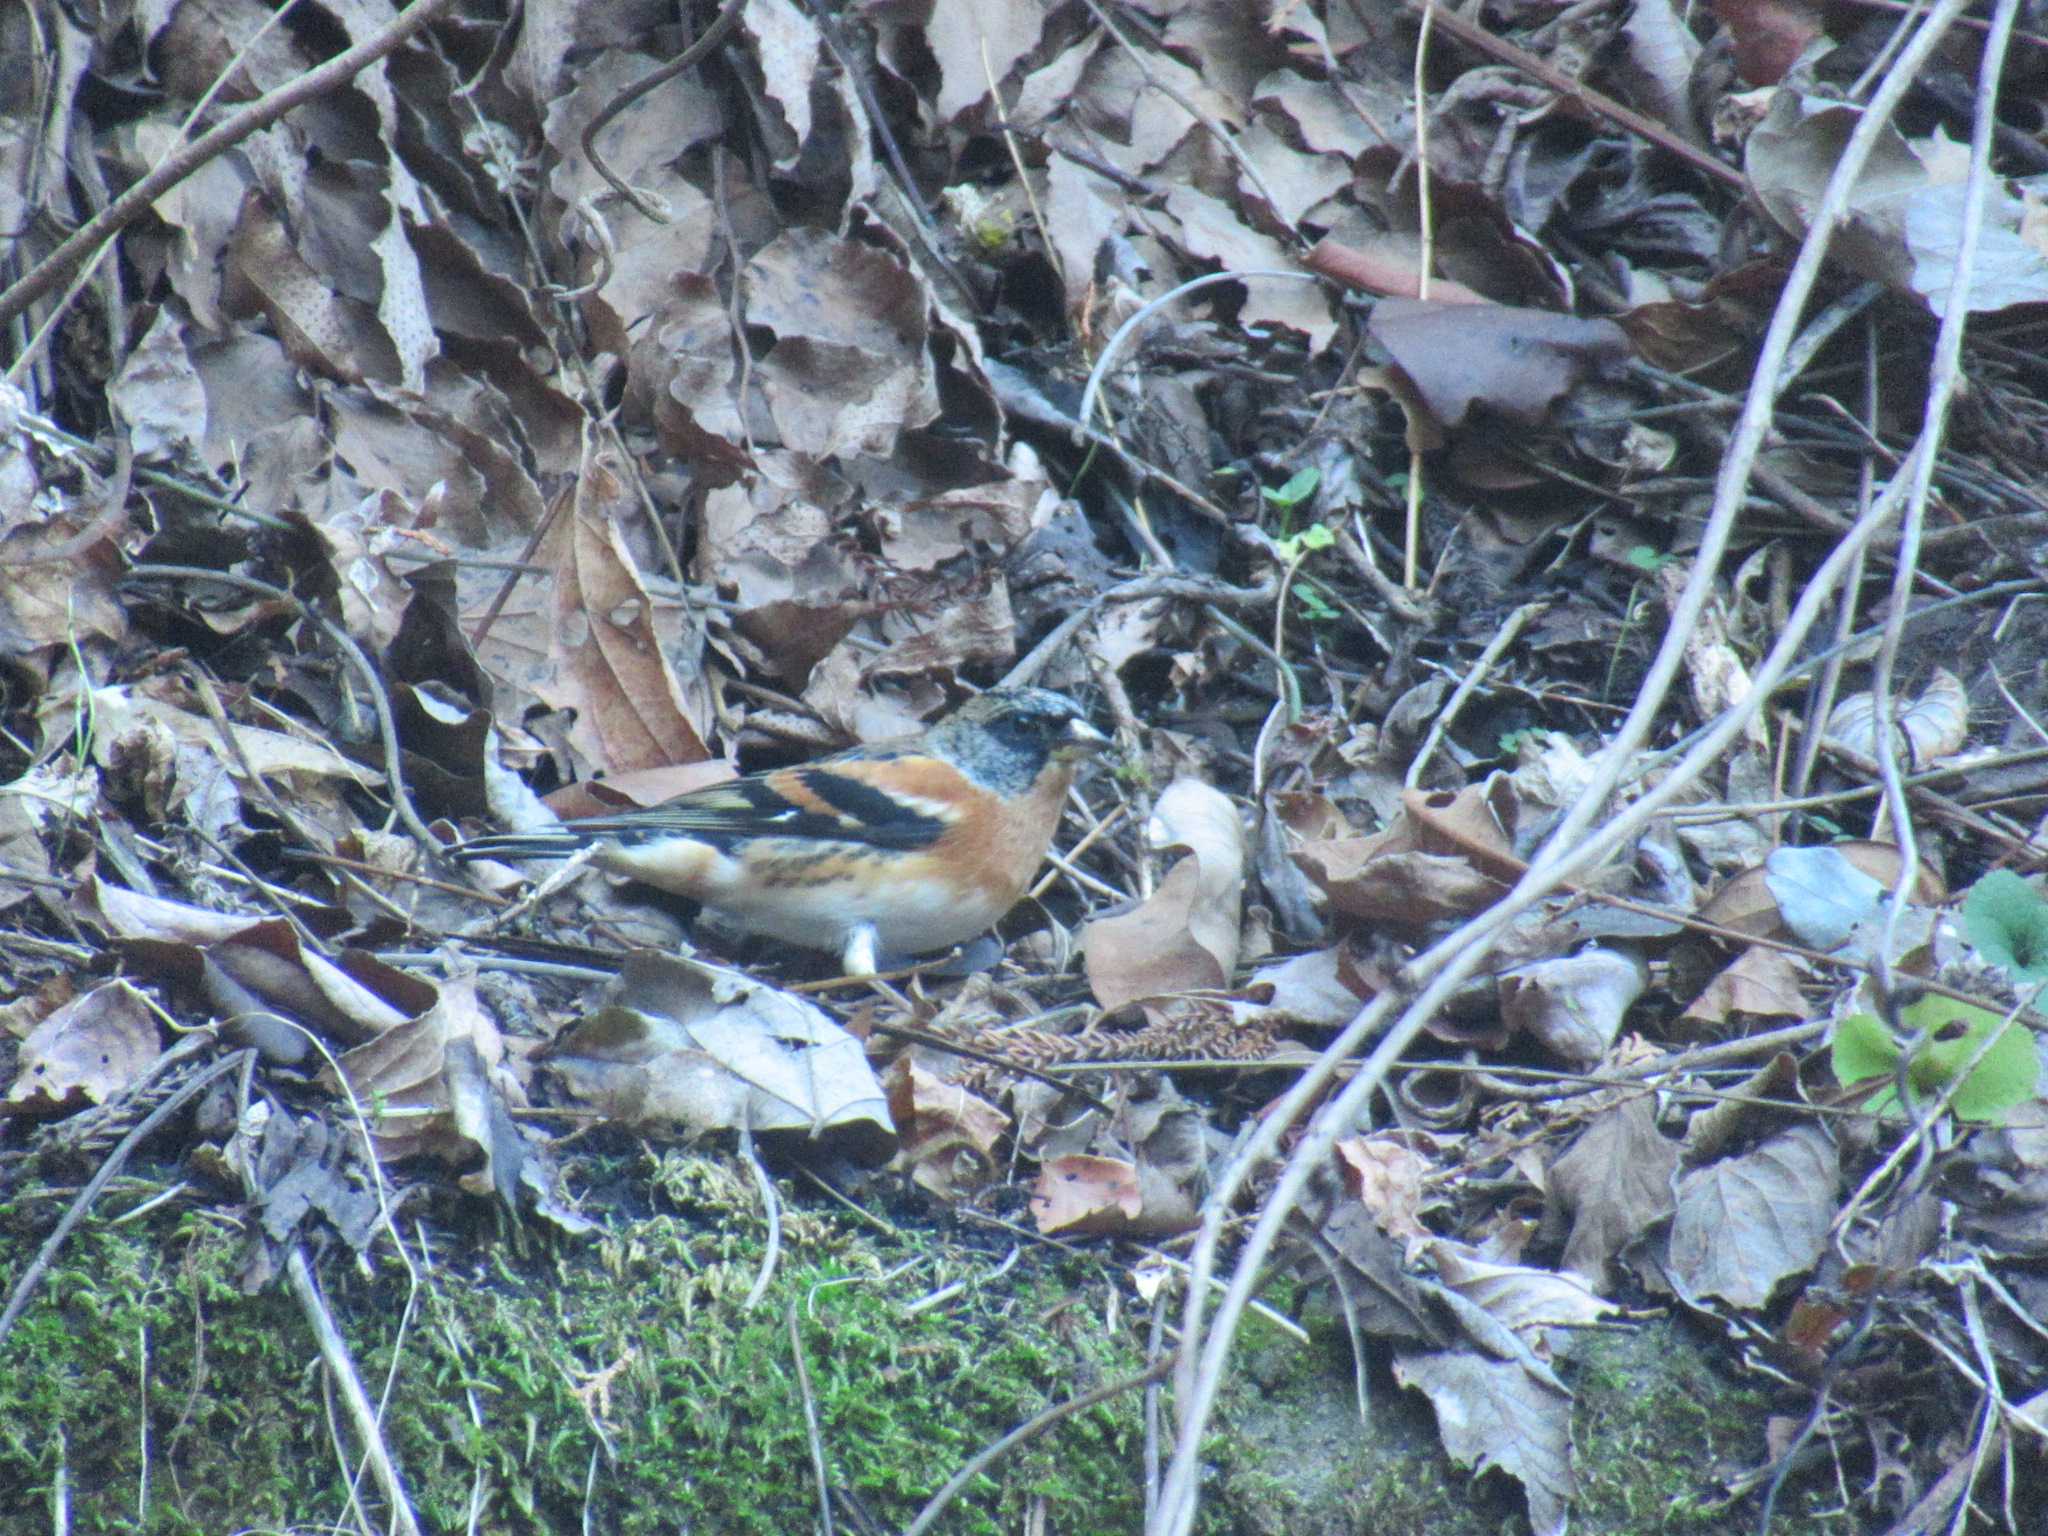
514	1372
620	1380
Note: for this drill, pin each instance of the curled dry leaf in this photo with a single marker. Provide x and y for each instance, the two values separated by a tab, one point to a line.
438	1086
1185	937
1902	226
611	643
1323	987
1443	856
1761	982
701	1048
257	976
1387	268
1573	1006
1386	1171
949	1135
1932	727
1109	1197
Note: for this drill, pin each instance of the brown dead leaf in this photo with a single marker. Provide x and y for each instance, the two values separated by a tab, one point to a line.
1387	267
1442	856
1761	982
1573	1005
1404	891
257	975
1746	905
1518	1296
849	370
1745	1224
85	1052
1901	228
645	144
1614	1182
1514	362
1211	229
1083	1194
1769	35
1365	1264
948	1135
1323	987
700	1048
51	594
770	544
611	644
1386	1171
438	1085
1184	938
1500	1413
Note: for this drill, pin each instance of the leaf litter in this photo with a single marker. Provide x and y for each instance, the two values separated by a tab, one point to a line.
1641	912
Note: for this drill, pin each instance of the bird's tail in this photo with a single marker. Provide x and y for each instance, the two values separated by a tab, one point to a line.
520	845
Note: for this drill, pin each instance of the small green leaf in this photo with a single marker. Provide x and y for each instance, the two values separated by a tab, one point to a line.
2007	920
1644	558
1299	487
1312	604
1862	1048
2005	1077
1315	536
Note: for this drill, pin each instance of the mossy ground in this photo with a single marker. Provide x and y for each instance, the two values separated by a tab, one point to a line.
616	1384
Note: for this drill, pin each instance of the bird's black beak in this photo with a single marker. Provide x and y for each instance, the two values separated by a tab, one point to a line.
1082	739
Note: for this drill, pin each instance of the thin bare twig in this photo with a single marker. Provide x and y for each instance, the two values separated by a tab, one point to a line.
334	1354
771	1207
812	1433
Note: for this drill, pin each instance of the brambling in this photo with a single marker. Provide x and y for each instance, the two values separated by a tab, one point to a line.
896	847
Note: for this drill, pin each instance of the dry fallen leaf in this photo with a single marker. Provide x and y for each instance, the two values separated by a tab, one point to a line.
949	1136
1514	362
702	1048
1185	937
85	1052
1614	1182
1573	1005
438	1085
1743	1225
1386	1171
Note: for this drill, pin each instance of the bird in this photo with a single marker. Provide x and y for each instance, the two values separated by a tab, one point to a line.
890	849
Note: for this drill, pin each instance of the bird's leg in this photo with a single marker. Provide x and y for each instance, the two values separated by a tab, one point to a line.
860	955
